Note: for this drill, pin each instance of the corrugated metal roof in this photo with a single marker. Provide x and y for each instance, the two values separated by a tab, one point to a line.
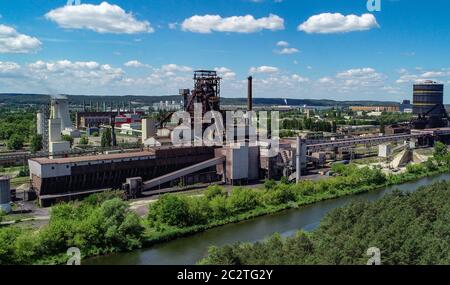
94	157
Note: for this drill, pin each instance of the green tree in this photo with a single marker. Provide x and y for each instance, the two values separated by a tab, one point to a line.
84	140
106	140
407	227
67	138
36	143
15	142
440	150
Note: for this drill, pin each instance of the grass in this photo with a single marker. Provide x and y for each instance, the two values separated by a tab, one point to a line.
18	181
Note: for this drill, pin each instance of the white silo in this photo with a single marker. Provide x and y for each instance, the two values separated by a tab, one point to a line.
5	194
40	123
60	110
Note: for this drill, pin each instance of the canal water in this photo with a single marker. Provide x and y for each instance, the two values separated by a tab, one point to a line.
189	250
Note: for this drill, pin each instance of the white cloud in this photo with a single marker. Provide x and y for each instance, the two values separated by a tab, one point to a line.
8	67
419	75
328	23
102	18
326	80
299	78
135	63
361	77
288	50
263	69
173	26
282	44
356	83
225	73
81	73
285	49
236	24
176	68
13	42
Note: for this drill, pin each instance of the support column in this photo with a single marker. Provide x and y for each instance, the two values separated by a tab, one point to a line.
298	160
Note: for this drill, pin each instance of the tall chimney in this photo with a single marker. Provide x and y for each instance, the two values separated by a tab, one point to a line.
250	94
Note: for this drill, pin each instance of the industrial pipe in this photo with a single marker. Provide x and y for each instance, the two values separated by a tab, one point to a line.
250	94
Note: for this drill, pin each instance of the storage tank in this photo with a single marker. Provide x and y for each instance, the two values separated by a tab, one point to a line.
426	96
5	194
428	105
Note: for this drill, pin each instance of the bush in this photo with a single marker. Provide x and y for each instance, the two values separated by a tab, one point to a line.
24	172
98	198
199	211
67	138
281	195
415	168
242	200
36	143
219	207
84	140
269	184
430	165
284	180
440	150
99	229
170	209
214	191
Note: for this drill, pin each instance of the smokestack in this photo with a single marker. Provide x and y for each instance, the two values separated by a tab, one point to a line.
250	94
298	160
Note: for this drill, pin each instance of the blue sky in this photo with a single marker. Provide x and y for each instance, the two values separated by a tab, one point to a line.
150	47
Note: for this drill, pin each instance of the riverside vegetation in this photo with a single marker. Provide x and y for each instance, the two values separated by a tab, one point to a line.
409	229
103	223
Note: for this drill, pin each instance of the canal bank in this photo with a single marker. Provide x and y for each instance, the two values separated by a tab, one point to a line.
189	250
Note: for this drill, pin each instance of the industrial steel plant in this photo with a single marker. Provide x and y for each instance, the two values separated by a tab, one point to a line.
61	173
246	132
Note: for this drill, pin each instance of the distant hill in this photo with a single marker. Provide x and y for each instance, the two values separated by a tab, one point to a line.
39	99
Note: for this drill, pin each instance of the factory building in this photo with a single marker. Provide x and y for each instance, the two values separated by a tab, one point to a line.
389	109
55	142
406	106
93	119
62	178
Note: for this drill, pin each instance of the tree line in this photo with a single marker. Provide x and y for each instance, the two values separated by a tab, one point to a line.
408	228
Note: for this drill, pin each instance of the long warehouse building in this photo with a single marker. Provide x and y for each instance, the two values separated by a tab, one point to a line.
61	179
